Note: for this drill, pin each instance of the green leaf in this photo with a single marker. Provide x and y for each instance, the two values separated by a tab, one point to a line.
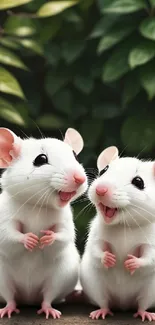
71	16
121	6
147	79
63	101
86	129
55	80
147	28
79	111
8	84
50	121
9	58
9	113
142	53
131	89
50	30
55	7
71	50
84	83
138	134
52	53
6	4
103	25
32	45
9	42
85	4
20	26
117	65
107	110
117	33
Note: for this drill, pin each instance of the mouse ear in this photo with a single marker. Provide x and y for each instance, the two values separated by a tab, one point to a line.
74	139
106	156
10	146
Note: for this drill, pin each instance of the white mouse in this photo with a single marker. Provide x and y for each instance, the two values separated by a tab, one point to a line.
39	262
118	265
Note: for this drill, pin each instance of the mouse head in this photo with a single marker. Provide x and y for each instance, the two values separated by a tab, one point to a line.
124	191
45	169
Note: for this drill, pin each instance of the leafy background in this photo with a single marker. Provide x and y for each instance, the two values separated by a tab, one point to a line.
86	64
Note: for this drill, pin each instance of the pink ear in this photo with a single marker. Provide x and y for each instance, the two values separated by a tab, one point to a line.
106	156
74	139
9	147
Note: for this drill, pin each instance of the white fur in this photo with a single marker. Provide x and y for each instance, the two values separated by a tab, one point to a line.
133	226
30	197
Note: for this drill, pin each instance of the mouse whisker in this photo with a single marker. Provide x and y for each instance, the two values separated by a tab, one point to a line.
139	207
42	196
48	198
125	237
43	189
89	204
135	221
141	215
79	200
12	186
131	230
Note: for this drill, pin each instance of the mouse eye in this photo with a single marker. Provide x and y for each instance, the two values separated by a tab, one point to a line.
75	155
103	170
138	182
40	160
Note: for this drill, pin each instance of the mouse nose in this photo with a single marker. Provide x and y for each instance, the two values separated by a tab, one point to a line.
79	179
101	190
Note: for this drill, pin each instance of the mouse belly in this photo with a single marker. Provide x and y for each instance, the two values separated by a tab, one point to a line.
114	285
27	275
31	274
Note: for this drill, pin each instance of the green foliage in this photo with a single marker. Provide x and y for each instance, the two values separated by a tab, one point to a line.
81	63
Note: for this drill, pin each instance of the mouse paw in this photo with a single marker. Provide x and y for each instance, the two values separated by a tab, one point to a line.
49	311
48	239
145	315
30	241
8	310
100	313
108	259
132	263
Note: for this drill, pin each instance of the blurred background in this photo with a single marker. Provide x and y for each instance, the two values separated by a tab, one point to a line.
80	63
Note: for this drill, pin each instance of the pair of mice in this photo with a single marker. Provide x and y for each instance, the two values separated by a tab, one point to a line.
39	262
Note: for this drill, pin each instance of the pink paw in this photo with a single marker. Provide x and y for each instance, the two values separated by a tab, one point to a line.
100	312
49	311
30	241
132	263
109	259
48	239
145	315
8	310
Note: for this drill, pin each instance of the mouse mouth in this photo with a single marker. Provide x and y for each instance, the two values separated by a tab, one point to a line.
65	197
107	212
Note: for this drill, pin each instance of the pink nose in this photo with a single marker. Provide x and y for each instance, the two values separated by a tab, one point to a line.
79	179
101	190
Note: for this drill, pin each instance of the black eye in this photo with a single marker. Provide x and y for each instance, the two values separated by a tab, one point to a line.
40	160
103	170
138	182
75	155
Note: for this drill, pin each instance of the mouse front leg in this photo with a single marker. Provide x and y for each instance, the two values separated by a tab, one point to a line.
108	258
29	240
51	235
13	233
143	257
